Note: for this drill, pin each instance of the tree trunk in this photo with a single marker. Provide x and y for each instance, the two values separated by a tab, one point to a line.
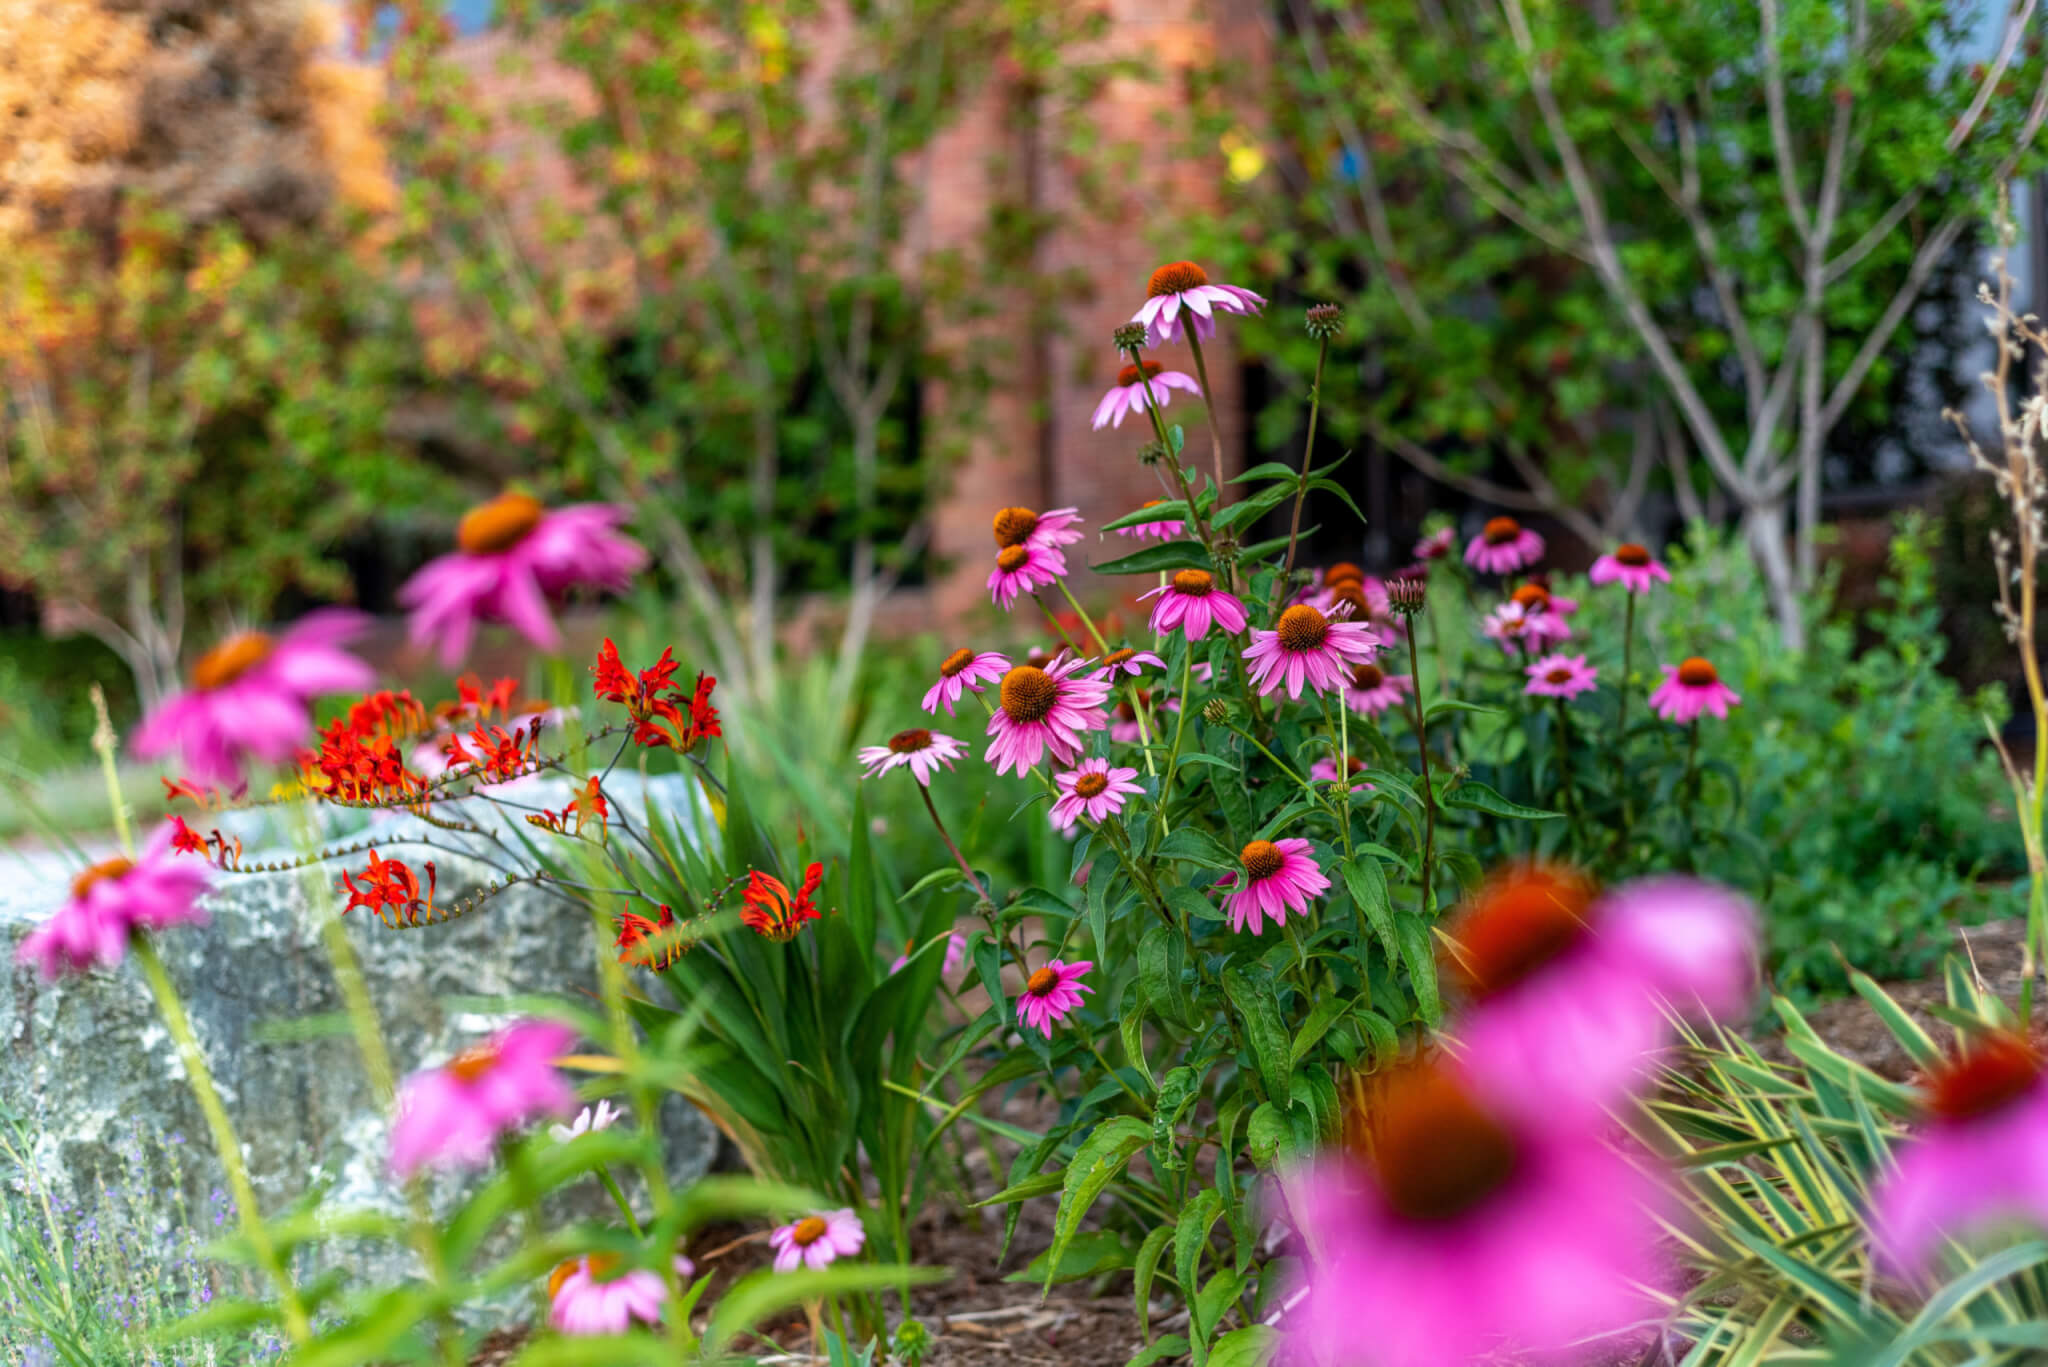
1764	526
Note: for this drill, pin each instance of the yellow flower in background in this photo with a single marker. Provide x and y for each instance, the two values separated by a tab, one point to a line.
1243	157
771	43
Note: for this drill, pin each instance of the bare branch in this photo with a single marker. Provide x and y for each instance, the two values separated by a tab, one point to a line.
1523	500
1781	132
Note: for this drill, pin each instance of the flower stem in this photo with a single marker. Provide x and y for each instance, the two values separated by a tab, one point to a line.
1628	676
958	858
1308	451
1428	788
1050	616
1180	726
200	1077
1101	642
103	743
1209	407
1564	758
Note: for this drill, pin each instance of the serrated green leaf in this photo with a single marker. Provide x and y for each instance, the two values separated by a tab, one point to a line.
1101	1157
1418	951
1472	795
1258	1005
1169	555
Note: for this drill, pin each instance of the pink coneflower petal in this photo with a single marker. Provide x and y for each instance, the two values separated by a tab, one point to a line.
922	751
1023	569
1691	688
1183	285
1092	790
1305	647
1051	994
962	672
454	1114
1192	602
1127	396
157	890
1045	710
1503	547
1560	676
817	1240
1279	877
1370	691
1631	566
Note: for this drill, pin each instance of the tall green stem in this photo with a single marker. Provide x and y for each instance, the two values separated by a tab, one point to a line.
1428	789
1308	451
1628	677
200	1077
1209	407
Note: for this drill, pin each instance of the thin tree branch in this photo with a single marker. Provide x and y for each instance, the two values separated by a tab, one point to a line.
1781	131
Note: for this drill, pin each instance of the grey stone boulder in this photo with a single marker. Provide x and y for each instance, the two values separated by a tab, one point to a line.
86	1061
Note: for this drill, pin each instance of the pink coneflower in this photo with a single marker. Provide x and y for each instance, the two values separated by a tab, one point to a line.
956	954
1371	690
1512	627
1046	531
817	1240
1191	601
1560	676
1325	770
1127	395
591	1295
962	672
1980	1162
1690	689
250	694
1305	646
455	1113
1569	986
514	557
1023	569
1166	530
1182	285
1530	618
922	750
1631	566
1127	661
1435	546
1279	877
1503	547
156	891
1456	1232
1041	710
1092	790
1052	994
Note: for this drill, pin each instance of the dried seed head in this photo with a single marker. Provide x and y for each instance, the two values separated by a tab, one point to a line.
1325	321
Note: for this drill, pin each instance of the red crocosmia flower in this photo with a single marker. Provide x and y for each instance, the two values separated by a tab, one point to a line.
187	789
385	713
184	839
772	911
703	716
500	755
354	767
588	804
654	700
391	891
648	943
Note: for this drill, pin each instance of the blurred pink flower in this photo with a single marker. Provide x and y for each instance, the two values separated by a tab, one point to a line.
1183	286
1046	531
157	890
1466	1234
1560	676
1690	689
513	557
589	1295
1325	770
1503	547
250	694
1631	566
1371	690
453	1114
1165	530
817	1240
1435	546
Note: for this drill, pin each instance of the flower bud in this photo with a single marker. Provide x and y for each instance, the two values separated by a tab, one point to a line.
1325	321
1129	336
1216	711
1405	596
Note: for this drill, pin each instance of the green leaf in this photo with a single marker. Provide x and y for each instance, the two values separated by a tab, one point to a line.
1321	1017
1922	1050
758	1295
1472	795
1444	706
1090	1255
1163	1349
1162	958
1142	1273
1251	1346
1166	510
1038	1184
1196	846
1170	555
1190	1240
1259	1005
1331	486
1272	469
1260	550
1418	950
1367	883
1100	1158
1208	1308
1268	1135
931	880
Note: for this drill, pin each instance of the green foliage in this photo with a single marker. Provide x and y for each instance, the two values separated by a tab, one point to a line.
1779	1161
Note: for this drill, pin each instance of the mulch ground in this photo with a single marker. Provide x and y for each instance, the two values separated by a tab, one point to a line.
978	1319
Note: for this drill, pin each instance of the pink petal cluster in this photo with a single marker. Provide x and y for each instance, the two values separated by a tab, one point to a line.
250	697
453	1114
1324	770
1191	601
961	672
1092	790
1023	569
1051	994
1279	877
514	558
1041	710
1128	661
1691	688
1503	547
922	750
1434	546
817	1240
1127	395
1370	691
1573	1028
1166	530
156	891
1182	285
1560	676
585	1302
1307	647
1631	566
